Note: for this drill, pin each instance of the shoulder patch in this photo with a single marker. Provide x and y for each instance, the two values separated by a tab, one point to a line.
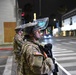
37	53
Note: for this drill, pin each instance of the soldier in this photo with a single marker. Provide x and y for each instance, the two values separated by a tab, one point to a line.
17	45
18	41
33	60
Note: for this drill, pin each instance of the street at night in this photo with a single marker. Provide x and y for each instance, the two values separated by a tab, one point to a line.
64	51
25	22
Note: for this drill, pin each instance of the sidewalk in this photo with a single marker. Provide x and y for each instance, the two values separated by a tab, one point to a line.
6	47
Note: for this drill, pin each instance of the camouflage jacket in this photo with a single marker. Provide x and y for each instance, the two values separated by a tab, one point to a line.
17	45
32	62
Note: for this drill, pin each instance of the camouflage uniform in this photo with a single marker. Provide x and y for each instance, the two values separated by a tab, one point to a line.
32	59
17	45
32	62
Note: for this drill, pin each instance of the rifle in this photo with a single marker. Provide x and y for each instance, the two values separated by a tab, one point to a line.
48	51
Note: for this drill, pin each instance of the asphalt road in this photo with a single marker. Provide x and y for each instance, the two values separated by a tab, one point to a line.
64	50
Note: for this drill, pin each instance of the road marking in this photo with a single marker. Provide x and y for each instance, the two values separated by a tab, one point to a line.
68	64
57	48
64	70
67	58
8	67
54	49
72	42
64	43
65	54
2	65
58	44
62	52
73	72
58	40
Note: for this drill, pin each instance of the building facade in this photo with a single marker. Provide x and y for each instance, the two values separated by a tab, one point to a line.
7	21
69	23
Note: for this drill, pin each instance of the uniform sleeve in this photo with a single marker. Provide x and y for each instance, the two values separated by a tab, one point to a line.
34	59
47	66
19	40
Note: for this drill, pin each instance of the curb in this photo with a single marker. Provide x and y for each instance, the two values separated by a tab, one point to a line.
6	48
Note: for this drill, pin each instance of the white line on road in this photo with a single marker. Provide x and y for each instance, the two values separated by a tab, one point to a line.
58	40
67	58
65	54
62	69
72	42
8	66
73	72
2	65
64	43
58	49
68	64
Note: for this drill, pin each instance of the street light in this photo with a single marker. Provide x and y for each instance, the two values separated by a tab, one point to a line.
57	25
54	19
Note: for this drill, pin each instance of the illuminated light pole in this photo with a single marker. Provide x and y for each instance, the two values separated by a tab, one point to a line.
57	25
34	17
54	19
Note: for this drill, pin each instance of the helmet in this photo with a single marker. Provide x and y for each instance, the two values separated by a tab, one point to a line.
30	27
18	27
30	24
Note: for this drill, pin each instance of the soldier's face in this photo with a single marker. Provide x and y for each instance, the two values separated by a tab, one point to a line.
21	33
37	34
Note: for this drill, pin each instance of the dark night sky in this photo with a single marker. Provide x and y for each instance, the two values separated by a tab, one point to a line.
50	8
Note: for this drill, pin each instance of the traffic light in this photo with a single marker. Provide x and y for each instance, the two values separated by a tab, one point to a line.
22	14
22	18
28	10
